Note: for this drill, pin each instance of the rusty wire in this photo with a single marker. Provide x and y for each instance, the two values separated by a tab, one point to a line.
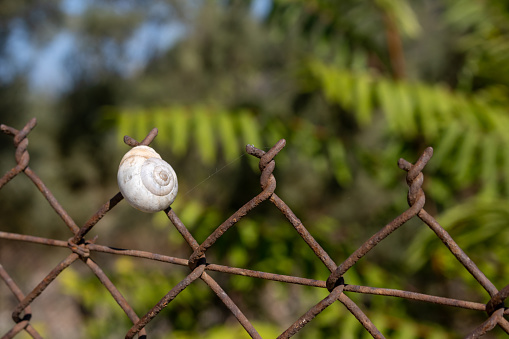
80	248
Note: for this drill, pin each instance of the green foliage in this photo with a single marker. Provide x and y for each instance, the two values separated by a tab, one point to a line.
453	121
480	229
337	155
403	14
483	39
142	291
207	128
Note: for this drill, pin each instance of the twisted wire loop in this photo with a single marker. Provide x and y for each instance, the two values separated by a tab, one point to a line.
21	144
82	249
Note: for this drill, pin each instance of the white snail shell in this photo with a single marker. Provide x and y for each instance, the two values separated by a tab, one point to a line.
146	181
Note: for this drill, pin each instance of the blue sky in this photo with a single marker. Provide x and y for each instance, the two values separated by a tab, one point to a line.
45	65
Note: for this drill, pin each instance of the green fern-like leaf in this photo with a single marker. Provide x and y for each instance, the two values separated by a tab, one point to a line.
204	135
226	129
208	129
427	111
181	125
452	122
249	128
363	99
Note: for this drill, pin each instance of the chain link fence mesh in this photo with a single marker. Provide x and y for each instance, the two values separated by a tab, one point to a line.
80	248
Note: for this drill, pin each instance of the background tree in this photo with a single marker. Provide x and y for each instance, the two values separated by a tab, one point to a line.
352	86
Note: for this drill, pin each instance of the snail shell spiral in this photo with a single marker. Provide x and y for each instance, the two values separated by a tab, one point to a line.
146	181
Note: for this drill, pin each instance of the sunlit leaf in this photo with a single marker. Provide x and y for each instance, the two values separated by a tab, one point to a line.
489	178
363	99
446	144
350	327
505	164
250	129
162	121
190	213
442	99
338	84
180	123
332	83
226	131
204	135
426	108
405	112
387	99
403	14
464	13
125	124
141	125
406	330
466	158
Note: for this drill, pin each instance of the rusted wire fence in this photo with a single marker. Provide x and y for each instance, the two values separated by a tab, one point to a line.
80	248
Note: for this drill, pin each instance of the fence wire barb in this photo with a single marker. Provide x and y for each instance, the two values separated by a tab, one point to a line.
81	248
